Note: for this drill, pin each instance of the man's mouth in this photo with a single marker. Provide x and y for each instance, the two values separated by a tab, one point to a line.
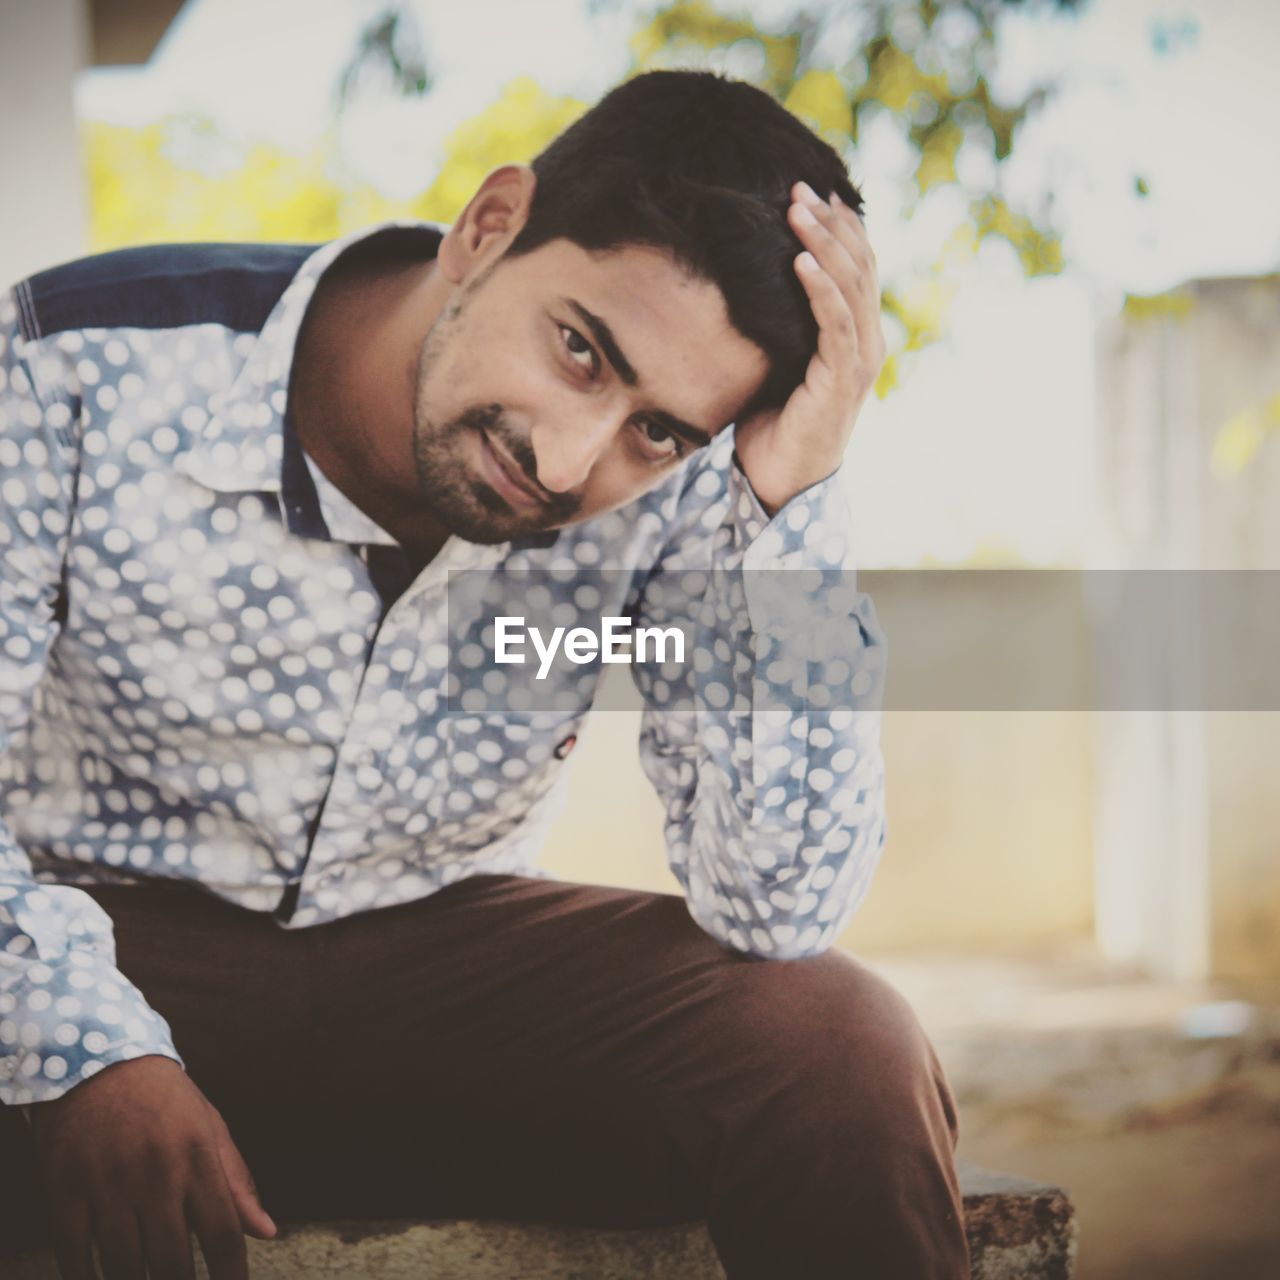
507	478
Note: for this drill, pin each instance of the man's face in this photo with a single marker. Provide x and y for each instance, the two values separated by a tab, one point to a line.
561	384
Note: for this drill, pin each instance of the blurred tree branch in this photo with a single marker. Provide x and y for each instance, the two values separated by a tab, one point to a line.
924	67
924	64
388	53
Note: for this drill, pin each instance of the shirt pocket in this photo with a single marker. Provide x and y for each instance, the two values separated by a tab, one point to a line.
501	770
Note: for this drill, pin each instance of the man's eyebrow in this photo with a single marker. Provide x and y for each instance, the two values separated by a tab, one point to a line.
623	368
608	343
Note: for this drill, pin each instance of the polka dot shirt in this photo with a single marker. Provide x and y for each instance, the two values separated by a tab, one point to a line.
202	680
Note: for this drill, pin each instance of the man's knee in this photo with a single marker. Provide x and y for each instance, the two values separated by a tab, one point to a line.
842	1043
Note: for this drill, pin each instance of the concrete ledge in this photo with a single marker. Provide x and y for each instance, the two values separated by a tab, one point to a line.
1018	1230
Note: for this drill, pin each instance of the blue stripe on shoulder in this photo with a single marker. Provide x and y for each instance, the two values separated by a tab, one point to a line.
162	286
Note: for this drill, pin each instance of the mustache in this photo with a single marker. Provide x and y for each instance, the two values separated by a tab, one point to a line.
490	418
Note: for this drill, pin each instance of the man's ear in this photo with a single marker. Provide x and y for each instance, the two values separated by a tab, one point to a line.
492	219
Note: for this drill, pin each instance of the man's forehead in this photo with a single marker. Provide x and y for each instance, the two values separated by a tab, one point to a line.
651	281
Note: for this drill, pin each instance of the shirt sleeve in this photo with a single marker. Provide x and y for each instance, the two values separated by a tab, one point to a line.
65	1010
765	748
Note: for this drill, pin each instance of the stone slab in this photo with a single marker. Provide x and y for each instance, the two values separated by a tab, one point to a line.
1018	1230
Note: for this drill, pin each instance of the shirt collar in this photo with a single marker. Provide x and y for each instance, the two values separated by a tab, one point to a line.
343	519
240	445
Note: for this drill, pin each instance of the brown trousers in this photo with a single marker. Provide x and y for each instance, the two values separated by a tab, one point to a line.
536	1050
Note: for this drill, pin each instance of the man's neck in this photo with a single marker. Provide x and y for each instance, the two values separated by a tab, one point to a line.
353	386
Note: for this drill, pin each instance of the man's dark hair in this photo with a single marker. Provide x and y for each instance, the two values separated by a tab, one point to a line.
703	167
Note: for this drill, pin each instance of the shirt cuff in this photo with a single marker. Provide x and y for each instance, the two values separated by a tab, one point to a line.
811	531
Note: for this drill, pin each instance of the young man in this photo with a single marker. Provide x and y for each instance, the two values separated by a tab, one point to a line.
267	892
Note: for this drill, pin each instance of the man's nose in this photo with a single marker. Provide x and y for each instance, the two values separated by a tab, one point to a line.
566	449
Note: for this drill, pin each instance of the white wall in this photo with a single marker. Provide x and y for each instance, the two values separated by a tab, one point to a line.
1186	804
44	212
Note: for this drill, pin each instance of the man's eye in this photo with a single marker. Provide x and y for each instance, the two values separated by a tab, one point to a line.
659	443
581	351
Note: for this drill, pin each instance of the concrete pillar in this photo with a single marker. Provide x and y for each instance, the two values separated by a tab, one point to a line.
1187	807
44	214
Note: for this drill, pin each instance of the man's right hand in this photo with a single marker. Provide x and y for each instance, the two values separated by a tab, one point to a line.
135	1159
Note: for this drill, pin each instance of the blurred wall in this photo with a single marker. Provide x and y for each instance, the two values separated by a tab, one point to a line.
1189	807
1235	337
43	45
989	812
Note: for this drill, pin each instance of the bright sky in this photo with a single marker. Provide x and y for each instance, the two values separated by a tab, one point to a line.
993	437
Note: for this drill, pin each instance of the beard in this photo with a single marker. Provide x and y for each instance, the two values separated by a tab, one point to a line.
457	496
463	501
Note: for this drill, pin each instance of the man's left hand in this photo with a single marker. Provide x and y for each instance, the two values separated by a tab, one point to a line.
783	452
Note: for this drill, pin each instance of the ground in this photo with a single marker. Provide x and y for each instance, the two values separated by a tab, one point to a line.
1156	1104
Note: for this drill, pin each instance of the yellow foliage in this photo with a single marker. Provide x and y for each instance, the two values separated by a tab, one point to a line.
821	100
1041	253
139	195
1175	304
961	246
938	156
887	378
693	26
924	308
1240	438
895	80
513	130
362	206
